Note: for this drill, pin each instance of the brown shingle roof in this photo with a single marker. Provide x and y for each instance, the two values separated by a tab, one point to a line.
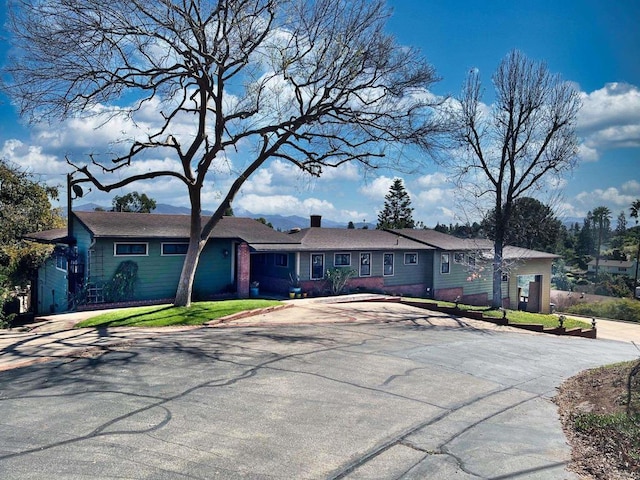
56	235
353	239
442	240
142	225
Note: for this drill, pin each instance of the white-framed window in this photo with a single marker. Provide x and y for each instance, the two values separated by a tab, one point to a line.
61	262
365	264
317	266
170	248
411	258
472	260
505	277
281	260
445	265
387	263
130	249
342	260
458	257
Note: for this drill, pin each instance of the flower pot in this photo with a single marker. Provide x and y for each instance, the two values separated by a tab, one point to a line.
292	295
254	291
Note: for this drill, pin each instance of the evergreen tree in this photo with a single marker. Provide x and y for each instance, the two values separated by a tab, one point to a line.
351	226
133	202
585	244
602	222
532	225
617	242
397	209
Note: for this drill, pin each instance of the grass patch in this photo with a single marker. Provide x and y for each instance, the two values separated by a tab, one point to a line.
622	309
514	316
168	315
549	321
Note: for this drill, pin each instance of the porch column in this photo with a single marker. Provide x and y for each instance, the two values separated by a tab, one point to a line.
244	270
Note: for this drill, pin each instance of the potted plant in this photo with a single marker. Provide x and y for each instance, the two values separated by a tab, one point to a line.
294	285
254	289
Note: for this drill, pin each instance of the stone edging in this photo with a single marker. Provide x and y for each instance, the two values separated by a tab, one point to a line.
475	315
246	313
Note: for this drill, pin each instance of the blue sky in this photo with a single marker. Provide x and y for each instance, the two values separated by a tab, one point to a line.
595	44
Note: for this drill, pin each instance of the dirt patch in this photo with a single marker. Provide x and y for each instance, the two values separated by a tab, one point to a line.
593	411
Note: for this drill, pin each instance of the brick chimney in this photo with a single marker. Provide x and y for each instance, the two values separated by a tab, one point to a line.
316	221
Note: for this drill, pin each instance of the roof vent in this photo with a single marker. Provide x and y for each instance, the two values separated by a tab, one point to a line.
294	230
316	221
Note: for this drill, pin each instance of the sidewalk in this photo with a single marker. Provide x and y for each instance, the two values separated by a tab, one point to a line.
55	337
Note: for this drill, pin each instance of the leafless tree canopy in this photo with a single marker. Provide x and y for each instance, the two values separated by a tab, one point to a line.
315	82
505	152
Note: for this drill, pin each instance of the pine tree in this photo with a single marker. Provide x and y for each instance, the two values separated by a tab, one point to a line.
397	208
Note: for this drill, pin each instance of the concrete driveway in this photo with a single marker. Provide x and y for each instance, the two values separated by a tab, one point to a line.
388	392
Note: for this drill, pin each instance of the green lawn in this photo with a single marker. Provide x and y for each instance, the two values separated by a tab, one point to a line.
168	315
516	316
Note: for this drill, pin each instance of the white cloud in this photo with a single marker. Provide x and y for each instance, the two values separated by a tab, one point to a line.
427	198
632	186
284	205
432	180
588	154
377	189
611	197
609	118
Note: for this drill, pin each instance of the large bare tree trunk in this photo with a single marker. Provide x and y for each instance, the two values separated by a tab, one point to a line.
196	245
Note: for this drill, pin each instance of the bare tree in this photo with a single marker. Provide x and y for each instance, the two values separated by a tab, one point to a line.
314	82
505	152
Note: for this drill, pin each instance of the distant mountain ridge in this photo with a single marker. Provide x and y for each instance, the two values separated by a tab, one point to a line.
279	222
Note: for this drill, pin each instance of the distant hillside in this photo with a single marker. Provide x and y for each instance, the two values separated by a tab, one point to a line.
279	222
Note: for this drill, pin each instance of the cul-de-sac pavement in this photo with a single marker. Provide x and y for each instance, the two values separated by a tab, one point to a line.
362	390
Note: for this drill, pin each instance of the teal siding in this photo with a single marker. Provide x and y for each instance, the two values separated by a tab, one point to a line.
52	288
215	270
422	273
83	244
158	275
461	275
407	274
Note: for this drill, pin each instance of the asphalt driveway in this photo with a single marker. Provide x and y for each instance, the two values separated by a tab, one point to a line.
391	392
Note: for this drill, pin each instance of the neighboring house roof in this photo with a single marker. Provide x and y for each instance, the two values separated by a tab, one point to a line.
56	235
319	239
613	263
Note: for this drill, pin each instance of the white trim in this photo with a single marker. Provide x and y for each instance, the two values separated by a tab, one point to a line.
115	247
162	254
66	262
311	255
410	253
341	265
393	265
448	262
360	264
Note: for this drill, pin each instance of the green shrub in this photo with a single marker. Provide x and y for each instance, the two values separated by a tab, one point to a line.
623	309
338	277
120	287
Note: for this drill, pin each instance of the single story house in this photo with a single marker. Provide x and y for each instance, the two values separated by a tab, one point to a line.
613	267
422	263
